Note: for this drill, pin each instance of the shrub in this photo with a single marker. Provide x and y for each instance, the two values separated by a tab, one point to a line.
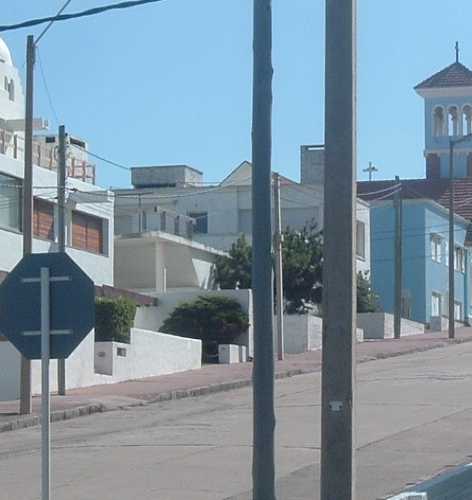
212	319
114	319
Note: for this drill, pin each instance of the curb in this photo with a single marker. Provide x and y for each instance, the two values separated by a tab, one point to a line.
82	411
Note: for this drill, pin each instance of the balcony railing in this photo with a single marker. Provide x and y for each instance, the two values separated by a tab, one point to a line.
45	155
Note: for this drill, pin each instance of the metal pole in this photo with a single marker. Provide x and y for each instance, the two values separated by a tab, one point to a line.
25	383
61	237
45	394
339	277
452	330
397	320
263	375
279	286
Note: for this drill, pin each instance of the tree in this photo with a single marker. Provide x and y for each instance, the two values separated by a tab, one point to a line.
302	257
302	254
212	319
235	271
366	298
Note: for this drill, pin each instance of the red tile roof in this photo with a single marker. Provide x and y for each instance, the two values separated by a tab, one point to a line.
434	189
455	75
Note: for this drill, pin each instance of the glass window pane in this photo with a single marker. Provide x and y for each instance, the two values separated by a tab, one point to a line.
10	202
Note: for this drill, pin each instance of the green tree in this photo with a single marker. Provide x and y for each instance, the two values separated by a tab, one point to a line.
235	270
366	298
302	255
212	319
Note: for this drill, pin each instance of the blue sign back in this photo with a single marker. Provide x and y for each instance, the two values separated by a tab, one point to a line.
72	305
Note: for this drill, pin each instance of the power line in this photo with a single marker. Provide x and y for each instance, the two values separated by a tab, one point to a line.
75	15
99	157
61	10
46	87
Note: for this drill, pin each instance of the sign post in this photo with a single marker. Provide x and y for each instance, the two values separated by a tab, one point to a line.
45	393
46	322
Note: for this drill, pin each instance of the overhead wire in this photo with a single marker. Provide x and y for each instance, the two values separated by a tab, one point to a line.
51	22
75	15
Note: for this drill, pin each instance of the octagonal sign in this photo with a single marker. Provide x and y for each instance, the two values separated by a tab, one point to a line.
72	305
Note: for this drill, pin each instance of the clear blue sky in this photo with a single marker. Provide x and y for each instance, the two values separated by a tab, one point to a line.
171	82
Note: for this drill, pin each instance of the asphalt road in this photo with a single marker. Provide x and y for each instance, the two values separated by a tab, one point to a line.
413	419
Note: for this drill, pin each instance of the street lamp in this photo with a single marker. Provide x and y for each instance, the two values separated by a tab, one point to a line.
452	144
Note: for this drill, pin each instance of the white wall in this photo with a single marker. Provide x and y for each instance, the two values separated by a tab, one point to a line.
148	355
380	326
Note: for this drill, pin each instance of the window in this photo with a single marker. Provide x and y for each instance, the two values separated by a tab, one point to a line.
43	219
87	232
201	222
457	311
446	252
459	259
10	202
406	304
360	239
436	248
433	166
436	304
438	122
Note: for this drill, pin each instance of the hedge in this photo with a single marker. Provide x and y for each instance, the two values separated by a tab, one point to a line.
114	319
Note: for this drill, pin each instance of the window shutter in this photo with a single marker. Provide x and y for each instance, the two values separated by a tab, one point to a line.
87	232
43	219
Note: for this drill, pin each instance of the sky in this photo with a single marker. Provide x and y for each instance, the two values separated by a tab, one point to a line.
170	82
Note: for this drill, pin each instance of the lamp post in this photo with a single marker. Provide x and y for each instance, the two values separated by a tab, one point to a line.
452	144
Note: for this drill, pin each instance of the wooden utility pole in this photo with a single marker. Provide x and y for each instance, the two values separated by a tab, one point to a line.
61	236
25	381
263	376
339	293
279	285
397	319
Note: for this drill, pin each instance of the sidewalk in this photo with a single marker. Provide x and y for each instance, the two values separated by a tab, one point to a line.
207	380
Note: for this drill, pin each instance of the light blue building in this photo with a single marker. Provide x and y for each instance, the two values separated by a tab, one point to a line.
425	259
448	116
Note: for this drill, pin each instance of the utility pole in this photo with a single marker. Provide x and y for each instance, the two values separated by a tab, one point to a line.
279	285
61	237
397	319
452	326
25	382
263	374
339	293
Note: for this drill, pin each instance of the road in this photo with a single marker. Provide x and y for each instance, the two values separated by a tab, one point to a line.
414	419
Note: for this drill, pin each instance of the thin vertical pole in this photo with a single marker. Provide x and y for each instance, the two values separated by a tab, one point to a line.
279	286
339	279
45	393
397	319
61	237
25	382
263	375
452	330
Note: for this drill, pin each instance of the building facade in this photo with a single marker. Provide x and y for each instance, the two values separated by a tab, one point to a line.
425	260
89	209
218	215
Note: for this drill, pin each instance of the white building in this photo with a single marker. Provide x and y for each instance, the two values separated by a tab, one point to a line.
89	210
218	215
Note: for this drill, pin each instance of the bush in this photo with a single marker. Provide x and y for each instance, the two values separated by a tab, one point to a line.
212	319
114	319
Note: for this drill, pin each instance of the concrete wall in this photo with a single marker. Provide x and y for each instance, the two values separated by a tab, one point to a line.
79	370
152	317
303	333
380	326
149	354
